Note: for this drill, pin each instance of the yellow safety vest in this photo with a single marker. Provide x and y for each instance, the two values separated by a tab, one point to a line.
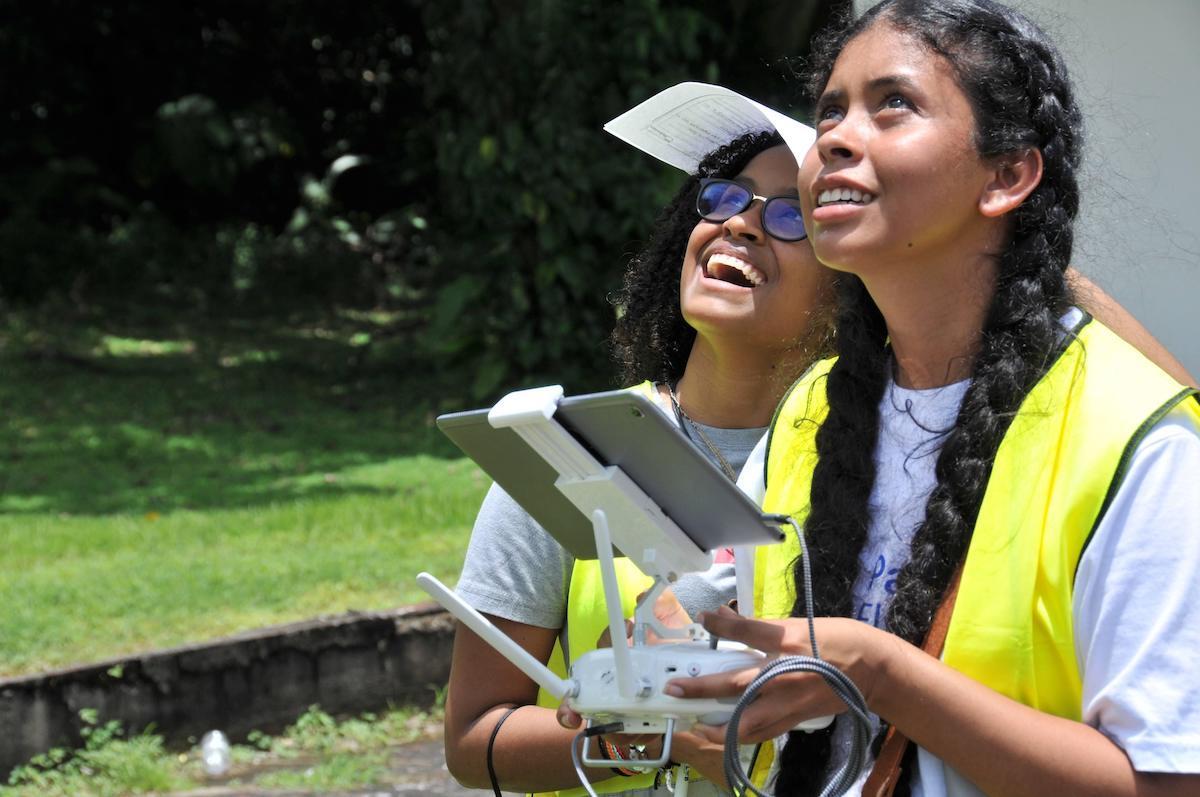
1056	470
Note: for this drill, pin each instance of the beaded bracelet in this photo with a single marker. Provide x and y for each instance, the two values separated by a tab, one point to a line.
613	753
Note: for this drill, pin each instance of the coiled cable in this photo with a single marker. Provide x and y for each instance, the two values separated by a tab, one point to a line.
838	681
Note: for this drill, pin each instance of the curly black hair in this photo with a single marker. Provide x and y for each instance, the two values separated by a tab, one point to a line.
651	340
1017	85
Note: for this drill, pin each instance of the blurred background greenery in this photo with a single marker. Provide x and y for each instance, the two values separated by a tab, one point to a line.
440	162
249	250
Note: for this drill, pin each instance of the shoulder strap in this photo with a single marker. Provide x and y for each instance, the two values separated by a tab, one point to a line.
886	772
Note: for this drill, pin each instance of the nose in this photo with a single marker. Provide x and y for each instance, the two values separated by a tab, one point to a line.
746	225
841	140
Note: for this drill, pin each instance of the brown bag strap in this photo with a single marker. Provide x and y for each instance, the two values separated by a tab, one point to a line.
886	772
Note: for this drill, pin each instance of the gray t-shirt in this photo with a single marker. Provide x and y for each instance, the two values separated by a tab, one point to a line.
514	569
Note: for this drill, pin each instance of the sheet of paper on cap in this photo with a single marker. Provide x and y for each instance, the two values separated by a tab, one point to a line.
682	124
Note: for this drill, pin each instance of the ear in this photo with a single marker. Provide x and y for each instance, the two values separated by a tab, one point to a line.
1013	179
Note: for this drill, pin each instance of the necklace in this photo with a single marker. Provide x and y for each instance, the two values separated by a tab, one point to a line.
686	423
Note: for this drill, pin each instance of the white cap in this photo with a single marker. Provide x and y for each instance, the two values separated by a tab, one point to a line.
682	124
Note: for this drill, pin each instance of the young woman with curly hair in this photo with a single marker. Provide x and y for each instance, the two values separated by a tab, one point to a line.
719	316
980	450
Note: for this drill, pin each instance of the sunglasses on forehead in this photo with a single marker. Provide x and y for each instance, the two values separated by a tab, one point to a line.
721	199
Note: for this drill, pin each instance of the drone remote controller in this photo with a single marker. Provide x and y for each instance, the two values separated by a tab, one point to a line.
594	690
600	699
622	684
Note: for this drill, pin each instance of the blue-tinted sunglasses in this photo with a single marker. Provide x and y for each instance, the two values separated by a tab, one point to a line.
721	199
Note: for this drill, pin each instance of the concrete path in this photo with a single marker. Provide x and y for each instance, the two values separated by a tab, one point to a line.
421	767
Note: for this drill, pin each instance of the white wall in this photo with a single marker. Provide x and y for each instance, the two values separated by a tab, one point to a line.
1136	68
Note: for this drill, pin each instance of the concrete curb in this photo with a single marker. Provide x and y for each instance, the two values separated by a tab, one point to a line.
259	680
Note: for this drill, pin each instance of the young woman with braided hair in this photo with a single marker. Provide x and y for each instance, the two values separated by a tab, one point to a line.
983	470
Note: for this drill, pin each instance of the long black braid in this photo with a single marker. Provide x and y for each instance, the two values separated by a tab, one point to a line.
651	339
1018	88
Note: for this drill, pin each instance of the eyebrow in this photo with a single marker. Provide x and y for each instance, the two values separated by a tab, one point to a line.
874	85
892	81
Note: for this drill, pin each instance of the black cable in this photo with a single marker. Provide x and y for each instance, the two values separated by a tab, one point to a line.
491	744
600	730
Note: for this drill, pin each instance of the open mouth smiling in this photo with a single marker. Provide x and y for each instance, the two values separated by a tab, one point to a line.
726	267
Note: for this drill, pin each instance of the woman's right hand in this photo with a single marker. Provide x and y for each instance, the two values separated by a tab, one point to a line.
667	610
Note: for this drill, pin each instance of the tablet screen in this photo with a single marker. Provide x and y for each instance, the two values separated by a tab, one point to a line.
626	429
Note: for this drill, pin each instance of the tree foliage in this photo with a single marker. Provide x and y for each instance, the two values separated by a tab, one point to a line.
550	203
441	160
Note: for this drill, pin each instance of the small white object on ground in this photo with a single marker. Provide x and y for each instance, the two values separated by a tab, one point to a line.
214	751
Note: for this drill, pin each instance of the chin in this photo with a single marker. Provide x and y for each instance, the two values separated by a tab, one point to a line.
719	321
840	252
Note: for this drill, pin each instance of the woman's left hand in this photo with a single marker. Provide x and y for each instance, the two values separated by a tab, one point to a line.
855	648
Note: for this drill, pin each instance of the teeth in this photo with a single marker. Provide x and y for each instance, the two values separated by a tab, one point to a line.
752	274
831	195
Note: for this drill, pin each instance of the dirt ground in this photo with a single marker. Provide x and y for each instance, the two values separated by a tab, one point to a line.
418	769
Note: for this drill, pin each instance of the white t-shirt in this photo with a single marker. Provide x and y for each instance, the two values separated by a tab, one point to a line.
1136	605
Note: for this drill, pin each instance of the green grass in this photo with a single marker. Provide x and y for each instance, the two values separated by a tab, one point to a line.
317	752
341	755
169	485
106	766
